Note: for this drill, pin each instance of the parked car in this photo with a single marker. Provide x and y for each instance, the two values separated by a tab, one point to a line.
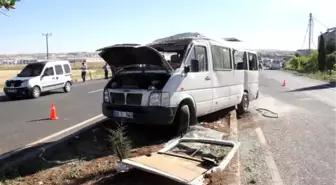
40	77
199	79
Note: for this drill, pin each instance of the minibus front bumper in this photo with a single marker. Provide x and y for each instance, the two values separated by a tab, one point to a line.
139	114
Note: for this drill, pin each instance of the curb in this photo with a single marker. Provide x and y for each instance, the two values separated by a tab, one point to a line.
234	136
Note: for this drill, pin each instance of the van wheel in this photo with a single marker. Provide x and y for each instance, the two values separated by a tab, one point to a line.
36	92
67	87
244	104
182	120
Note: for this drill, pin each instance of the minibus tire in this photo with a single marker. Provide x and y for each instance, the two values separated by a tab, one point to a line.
182	120
244	104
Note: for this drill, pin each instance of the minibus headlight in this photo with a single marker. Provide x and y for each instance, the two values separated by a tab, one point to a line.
155	99
159	99
106	96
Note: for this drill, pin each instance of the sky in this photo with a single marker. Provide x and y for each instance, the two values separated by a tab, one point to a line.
87	25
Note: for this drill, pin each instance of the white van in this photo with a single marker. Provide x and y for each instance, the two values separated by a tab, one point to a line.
40	77
276	65
199	79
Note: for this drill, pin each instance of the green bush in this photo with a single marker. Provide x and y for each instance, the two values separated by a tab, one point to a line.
120	143
331	61
304	64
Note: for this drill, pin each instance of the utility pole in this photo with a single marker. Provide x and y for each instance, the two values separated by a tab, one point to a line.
47	35
310	27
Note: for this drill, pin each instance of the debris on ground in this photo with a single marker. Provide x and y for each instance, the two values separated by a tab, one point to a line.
205	132
92	161
187	160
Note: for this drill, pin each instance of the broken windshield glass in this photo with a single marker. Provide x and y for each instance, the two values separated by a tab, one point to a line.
202	150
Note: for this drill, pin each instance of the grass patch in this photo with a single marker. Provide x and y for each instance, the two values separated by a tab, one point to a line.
317	75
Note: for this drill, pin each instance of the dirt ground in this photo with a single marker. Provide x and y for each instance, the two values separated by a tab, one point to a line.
88	158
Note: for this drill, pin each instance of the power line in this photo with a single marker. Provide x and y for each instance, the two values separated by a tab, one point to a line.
47	35
320	22
304	40
4	13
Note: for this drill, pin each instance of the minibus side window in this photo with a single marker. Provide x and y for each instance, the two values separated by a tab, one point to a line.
240	63
201	56
253	62
199	53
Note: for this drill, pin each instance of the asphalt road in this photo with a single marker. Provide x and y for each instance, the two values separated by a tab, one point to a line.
302	141
25	121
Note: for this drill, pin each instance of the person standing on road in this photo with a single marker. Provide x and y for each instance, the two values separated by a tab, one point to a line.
84	69
106	68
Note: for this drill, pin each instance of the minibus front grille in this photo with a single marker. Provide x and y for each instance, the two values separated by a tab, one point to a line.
117	98
133	99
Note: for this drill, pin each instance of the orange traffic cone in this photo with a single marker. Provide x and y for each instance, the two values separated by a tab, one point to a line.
53	112
284	83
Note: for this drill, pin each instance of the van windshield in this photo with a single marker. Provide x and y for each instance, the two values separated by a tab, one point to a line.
31	70
173	51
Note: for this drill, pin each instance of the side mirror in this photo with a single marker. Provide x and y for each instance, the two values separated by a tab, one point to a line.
186	69
194	65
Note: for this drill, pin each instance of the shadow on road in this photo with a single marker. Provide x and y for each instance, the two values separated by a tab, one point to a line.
4	98
316	87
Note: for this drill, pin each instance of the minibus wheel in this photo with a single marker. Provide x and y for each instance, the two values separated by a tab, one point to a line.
244	104
182	120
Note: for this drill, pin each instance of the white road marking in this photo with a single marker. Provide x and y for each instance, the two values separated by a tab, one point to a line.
269	159
52	136
290	88
96	91
65	130
305	99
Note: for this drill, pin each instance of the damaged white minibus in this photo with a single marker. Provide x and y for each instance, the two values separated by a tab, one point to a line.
172	81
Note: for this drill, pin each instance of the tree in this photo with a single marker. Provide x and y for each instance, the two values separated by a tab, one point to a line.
321	54
7	4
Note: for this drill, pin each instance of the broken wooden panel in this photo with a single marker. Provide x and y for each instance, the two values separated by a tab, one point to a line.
186	160
181	168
